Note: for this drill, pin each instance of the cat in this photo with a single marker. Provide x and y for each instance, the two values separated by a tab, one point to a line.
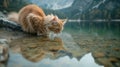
33	20
13	16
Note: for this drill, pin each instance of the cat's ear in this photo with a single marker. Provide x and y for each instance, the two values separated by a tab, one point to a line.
54	20
64	21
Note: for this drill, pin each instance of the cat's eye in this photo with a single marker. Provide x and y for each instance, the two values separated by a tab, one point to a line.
54	23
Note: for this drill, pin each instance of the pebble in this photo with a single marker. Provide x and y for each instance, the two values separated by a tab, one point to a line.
3	41
98	54
113	59
33	46
105	62
117	49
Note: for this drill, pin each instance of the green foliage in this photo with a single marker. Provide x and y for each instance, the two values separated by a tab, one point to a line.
12	5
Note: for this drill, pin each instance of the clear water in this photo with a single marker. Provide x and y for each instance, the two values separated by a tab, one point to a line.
81	44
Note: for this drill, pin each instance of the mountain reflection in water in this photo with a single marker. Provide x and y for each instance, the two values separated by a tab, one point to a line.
86	61
60	52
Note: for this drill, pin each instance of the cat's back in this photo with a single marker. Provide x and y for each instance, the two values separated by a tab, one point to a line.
25	12
30	9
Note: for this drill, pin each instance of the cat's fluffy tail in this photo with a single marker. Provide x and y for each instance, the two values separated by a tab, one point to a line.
13	16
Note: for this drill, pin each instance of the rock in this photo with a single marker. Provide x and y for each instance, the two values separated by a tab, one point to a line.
33	46
2	15
105	62
3	50
3	41
2	65
117	49
113	59
9	24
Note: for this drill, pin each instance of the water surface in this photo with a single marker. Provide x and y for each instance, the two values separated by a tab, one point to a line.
81	44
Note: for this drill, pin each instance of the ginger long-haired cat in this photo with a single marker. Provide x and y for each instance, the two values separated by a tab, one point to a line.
33	20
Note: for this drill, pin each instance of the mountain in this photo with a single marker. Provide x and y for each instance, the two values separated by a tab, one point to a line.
83	9
105	9
72	9
93	9
77	8
53	4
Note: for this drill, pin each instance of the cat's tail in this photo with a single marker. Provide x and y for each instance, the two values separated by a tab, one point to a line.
13	16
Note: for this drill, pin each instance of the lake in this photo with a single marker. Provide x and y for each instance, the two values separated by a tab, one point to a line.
81	44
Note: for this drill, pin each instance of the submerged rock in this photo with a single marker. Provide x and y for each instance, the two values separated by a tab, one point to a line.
104	62
113	59
98	54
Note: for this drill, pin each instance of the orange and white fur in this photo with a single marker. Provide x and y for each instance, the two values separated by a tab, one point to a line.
33	20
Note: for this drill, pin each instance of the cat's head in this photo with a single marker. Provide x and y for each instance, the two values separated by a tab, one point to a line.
55	24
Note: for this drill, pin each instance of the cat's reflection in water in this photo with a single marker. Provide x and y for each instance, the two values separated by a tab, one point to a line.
36	50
